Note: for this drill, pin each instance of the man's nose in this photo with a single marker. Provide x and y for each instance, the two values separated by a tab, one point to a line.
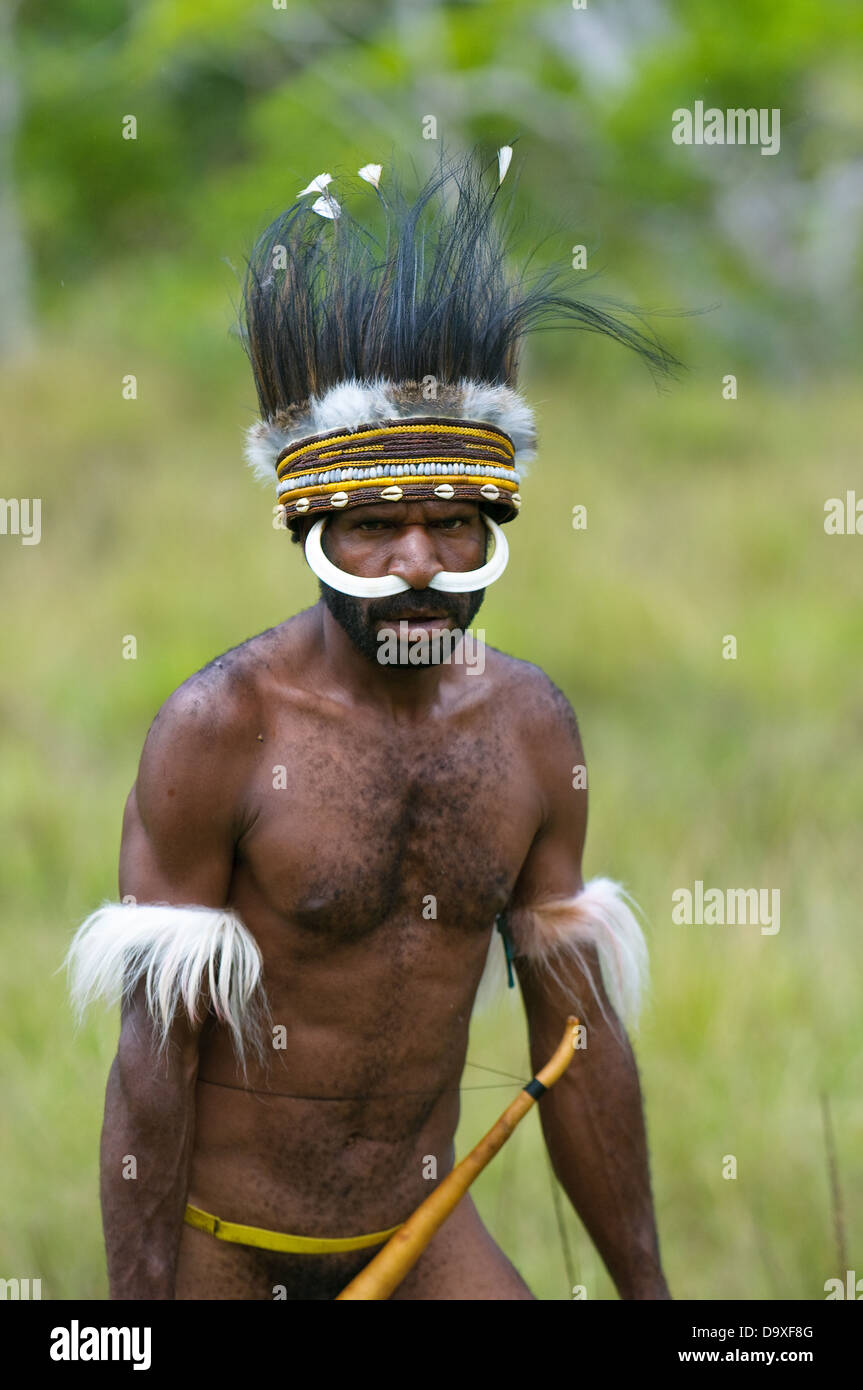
415	558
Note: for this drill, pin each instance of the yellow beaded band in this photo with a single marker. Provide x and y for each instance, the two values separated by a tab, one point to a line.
430	458
339	443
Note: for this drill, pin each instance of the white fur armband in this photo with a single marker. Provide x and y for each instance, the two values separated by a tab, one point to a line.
554	932
174	950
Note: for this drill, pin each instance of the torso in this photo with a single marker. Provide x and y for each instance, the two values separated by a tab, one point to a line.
371	865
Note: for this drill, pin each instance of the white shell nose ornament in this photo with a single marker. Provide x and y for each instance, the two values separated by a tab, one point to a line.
448	581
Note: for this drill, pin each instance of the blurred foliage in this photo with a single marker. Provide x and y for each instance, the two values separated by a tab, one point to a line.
239	103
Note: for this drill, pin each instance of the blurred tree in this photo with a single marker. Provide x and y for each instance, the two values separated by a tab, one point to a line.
238	99
16	314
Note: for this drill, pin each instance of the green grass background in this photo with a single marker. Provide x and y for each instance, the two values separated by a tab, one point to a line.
705	517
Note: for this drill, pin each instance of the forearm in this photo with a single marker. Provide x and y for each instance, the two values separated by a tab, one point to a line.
594	1130
142	1215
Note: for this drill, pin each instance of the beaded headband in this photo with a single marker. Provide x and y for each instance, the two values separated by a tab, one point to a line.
424	458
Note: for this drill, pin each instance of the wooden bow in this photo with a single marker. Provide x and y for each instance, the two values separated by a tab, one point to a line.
401	1252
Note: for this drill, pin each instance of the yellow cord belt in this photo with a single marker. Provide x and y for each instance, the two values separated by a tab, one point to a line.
277	1240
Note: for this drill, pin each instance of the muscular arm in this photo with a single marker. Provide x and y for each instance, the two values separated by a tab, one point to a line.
149	1116
592	1119
177	848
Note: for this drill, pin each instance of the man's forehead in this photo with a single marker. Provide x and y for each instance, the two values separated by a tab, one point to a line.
405	513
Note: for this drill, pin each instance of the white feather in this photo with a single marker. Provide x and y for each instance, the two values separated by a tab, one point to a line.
504	156
317	185
173	950
552	934
494	980
371	173
327	206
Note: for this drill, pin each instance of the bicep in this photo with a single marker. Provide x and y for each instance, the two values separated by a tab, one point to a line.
556	960
164	859
177	849
158	866
552	868
179	824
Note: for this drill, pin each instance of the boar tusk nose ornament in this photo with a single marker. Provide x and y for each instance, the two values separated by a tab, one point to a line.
448	581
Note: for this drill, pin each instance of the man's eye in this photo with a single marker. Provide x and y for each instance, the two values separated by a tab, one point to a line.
371	525
449	523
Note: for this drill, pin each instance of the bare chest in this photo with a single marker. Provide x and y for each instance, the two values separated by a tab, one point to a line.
355	829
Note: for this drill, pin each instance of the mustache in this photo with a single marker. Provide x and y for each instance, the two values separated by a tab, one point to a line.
411	602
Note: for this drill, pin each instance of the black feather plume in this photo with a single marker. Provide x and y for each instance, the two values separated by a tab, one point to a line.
423	289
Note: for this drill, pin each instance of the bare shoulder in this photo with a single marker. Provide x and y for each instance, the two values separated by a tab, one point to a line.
200	742
221	699
530	697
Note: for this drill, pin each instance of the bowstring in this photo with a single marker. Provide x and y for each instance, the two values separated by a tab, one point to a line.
378	1095
557	1205
481	1067
566	1249
386	1095
512	1080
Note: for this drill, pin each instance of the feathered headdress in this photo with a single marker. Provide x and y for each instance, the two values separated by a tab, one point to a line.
385	357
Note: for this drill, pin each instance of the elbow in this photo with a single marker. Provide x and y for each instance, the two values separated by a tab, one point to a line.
150	1076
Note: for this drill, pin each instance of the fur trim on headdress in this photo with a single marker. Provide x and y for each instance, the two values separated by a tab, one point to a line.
552	934
175	951
354	403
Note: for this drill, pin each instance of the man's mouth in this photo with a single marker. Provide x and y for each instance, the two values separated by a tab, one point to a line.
417	619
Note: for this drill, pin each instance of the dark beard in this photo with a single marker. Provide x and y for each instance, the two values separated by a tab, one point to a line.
359	617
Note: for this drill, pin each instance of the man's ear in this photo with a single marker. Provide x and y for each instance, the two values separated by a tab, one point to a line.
301	529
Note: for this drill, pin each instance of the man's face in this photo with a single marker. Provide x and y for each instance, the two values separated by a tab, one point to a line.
414	540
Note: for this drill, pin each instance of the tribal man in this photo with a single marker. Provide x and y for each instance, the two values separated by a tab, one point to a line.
325	830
